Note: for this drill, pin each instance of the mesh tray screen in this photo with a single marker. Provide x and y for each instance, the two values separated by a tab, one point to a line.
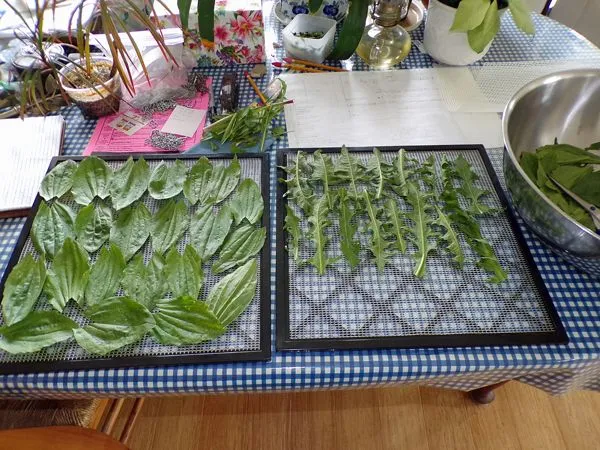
365	303
242	335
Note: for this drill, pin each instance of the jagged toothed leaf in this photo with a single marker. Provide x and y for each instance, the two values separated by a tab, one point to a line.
51	226
58	181
92	225
318	222
377	170
468	190
167	181
131	229
292	227
323	171
298	189
168	225
421	229
184	272
349	245
242	244
209	230
105	275
350	169
247	202
401	173
196	184
38	330
22	289
145	284
450	237
395	226
91	179
129	182
378	245
223	181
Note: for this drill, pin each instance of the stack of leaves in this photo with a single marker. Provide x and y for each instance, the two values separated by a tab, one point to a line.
573	168
396	203
91	256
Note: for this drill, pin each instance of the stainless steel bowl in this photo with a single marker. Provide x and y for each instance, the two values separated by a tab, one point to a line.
565	106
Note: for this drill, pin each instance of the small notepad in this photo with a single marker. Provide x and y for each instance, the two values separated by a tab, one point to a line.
183	121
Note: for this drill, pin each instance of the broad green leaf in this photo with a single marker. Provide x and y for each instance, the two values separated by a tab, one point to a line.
116	322
22	289
145	284
569	176
529	163
185	321
481	36
167	181
376	168
184	272
298	189
196	184
292	227
350	247
40	329
421	229
247	202
351	30
450	237
51	226
395	225
588	188
206	19
377	243
223	181
233	293
131	229
564	154
129	182
323	171
168	225
92	226
183	6
350	169
318	222
241	245
468	190
91	179
469	14
105	275
208	230
68	275
58	181
522	16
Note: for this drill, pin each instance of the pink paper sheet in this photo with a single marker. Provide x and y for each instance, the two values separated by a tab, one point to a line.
108	140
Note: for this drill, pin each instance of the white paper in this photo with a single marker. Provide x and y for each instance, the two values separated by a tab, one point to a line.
398	107
25	154
129	123
183	121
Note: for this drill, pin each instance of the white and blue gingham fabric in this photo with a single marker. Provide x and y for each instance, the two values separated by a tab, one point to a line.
554	368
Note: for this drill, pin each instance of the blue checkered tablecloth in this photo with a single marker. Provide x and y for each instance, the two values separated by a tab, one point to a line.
554	368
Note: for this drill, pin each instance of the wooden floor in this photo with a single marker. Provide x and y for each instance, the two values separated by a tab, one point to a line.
410	418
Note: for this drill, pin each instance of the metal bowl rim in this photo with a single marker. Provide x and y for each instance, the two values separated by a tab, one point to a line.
547	79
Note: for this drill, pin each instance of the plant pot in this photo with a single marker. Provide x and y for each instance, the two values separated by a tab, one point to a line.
310	49
445	46
98	101
332	9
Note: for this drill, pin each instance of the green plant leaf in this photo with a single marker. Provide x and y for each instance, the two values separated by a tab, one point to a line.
468	190
116	322
569	176
105	275
168	225
196	184
298	189
40	329
376	168
206	19
233	293
351	30
223	181
421	228
183	6
594	146
292	227
564	154
395	225
481	36
184	272
22	288
350	169
247	202
378	246
529	163
318	222
242	244
131	229
323	171
522	16
145	284
91	179
51	226
349	246
58	181
129	182
92	226
167	181
588	188
68	275
401	173
469	15
450	237
208	230
314	5
185	321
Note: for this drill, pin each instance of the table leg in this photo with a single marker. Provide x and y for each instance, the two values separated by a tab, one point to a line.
485	395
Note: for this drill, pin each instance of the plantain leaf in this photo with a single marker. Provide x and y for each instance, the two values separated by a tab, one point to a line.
469	15
184	272
318	222
167	181
129	182
481	36
349	246
105	275
58	181
350	169
22	289
208	230
247	202
395	225
92	226
223	181
168	225
421	229
298	189
40	329
377	243
239	247
233	293
145	284
68	275
185	321
51	226
91	179
131	229
292	227
116	322
351	31
196	184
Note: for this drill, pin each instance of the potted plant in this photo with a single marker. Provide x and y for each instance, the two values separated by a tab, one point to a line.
93	81
460	32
